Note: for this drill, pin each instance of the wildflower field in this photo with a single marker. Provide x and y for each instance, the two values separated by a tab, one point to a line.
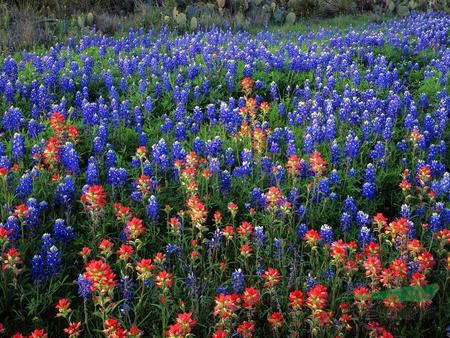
223	183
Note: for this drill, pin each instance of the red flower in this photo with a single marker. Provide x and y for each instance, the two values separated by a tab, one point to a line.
338	251
426	261
94	198
63	307
112	328
312	237
57	123
296	299
105	247
245	229
276	320
246	329
226	305
399	268
250	298
372	265
324	317
3	172
11	259
417	279
74	329
125	252
377	331
186	322
145	268
317	297
246	250
362	297
38	333
220	334
101	275
232	208
387	278
272	277
164	280
392	303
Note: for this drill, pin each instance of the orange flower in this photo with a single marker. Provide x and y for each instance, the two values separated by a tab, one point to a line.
318	165
247	85
293	165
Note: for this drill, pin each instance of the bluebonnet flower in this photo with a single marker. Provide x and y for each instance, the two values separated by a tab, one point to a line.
13	119
18	147
34	129
52	262
310	282
365	236
84	287
237	280
25	186
127	288
350	206
117	177
65	192
225	182
259	236
326	233
345	222
191	284
222	289
405	211
301	231
70	159
92	172
37	268
435	223
329	274
362	218
153	210
63	232
173	249
352	146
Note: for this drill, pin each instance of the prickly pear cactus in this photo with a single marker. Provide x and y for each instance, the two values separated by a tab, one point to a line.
221	3
291	18
194	23
90	19
181	20
279	16
81	21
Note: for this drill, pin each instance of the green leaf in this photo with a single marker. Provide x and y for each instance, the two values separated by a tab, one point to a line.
409	294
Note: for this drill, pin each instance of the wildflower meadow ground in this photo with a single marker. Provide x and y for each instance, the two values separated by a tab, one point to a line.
221	183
